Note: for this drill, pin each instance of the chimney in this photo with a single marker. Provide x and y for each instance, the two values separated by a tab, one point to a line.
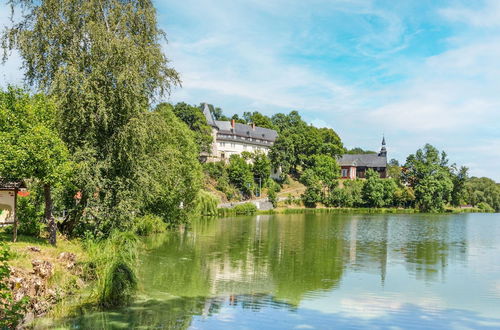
232	123
253	126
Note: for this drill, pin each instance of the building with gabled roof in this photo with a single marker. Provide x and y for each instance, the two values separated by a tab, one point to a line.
231	138
355	166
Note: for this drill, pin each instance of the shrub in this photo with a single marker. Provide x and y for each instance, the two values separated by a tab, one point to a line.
206	203
11	311
246	209
272	196
483	206
149	224
112	265
214	170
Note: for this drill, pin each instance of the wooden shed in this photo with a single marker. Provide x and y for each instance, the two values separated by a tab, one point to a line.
9	189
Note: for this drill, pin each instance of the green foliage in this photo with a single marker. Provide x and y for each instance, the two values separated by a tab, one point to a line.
312	195
215	170
103	77
11	311
459	178
206	203
29	213
112	266
258	119
374	190
359	151
297	142
240	174
197	122
348	196
485	207
161	177
261	166
394	170
149	224
325	168
482	190
245	209
427	173
272	196
30	146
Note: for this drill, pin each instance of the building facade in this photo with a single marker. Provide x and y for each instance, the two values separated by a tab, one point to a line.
231	138
355	166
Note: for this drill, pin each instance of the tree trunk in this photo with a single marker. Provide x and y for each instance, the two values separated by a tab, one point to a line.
49	217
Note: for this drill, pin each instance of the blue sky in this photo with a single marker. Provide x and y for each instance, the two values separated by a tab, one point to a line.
417	71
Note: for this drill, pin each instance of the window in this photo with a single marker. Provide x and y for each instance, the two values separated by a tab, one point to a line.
344	172
233	145
222	144
245	146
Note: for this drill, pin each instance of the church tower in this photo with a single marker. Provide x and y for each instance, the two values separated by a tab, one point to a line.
383	150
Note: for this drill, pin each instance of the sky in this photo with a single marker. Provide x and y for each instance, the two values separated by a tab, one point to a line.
418	72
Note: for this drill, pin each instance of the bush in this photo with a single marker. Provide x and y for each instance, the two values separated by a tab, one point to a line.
112	265
206	203
29	214
214	170
246	209
483	206
272	196
149	224
120	284
11	311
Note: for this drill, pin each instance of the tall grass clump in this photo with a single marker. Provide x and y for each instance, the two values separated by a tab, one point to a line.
206	203
113	267
149	224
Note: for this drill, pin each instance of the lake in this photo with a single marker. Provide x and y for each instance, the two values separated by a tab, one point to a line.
318	271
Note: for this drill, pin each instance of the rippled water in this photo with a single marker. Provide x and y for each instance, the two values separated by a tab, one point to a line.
318	271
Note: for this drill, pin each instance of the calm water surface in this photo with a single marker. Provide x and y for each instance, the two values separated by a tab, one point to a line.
318	271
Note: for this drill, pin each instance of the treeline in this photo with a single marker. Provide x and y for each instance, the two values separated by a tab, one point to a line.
425	181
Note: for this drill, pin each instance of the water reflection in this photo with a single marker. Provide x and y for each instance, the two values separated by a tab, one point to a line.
317	270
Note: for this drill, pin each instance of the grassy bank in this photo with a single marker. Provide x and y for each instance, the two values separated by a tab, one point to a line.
247	210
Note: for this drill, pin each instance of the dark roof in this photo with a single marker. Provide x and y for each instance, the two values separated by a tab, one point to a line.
366	160
247	130
6	184
208	115
239	129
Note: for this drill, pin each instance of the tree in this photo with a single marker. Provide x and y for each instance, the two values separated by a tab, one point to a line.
459	178
30	147
197	122
102	62
240	174
325	169
394	170
374	193
258	119
482	190
357	151
427	173
261	166
297	142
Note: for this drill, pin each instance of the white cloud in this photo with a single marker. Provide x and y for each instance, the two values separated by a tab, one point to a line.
487	16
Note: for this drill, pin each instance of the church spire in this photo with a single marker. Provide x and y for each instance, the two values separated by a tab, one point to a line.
383	150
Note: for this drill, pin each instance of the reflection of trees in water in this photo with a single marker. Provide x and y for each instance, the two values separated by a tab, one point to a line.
294	255
175	313
432	242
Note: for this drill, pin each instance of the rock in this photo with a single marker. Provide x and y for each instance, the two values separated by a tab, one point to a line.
33	249
69	257
42	268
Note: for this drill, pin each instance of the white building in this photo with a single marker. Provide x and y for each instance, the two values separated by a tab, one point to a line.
231	138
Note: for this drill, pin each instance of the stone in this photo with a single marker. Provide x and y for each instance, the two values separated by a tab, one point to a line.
33	249
42	268
69	258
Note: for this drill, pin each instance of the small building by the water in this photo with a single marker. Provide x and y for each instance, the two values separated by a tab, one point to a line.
355	165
